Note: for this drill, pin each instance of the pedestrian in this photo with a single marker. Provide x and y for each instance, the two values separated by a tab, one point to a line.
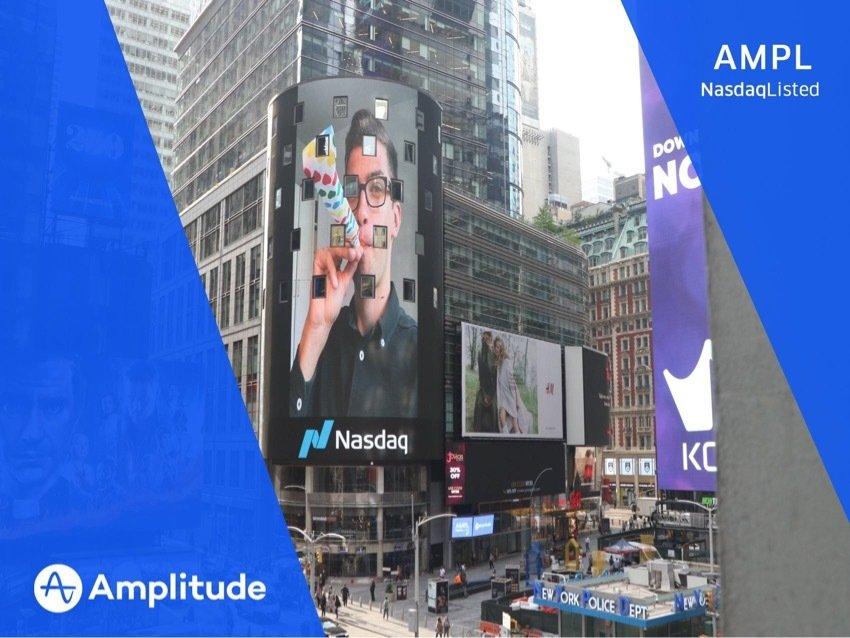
385	607
323	603
439	631
611	563
492	559
337	605
372	590
446	626
587	544
345	594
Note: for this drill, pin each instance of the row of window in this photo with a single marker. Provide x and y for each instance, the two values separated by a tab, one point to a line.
244	357
219	286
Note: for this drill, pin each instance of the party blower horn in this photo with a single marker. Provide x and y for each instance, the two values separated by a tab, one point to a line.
319	162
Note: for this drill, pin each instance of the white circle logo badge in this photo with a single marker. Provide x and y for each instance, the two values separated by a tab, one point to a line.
58	588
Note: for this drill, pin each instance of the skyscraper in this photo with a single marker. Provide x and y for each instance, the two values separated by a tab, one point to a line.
148	31
238	55
528	52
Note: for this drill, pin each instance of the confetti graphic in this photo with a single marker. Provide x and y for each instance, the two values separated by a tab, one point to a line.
321	168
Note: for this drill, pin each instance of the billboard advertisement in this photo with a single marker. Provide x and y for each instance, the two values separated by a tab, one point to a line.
353	334
679	286
455	472
511	385
587	390
497	470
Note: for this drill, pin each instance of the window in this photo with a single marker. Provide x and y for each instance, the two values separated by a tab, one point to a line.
213	292
338	235
287	154
224	319
382	108
367	286
308	189
322	145
409	292
254	286
428	204
239	294
420	244
379	236
369	146
298	113
236	362
420	120
397	190
278	198
283	295
410	152
340	106
253	370
350	186
295	240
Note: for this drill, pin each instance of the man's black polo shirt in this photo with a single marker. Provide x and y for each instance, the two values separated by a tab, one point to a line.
372	375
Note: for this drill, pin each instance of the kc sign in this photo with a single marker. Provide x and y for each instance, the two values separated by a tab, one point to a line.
675	208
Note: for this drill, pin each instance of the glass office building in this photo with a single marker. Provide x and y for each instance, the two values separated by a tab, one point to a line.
240	53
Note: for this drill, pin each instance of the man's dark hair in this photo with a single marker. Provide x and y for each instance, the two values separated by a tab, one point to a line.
486	333
364	123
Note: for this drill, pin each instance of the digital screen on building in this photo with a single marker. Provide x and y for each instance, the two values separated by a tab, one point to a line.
681	367
498	470
353	331
511	386
482	525
462	527
587	393
455	472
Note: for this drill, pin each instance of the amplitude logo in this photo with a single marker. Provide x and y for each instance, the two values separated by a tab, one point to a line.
58	588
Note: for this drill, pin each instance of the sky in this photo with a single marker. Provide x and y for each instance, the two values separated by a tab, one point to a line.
589	80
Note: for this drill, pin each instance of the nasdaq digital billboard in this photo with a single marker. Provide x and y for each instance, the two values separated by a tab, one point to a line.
675	205
353	315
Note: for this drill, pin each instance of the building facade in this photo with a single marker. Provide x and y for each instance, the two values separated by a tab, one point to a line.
528	51
238	55
148	31
631	186
551	171
615	241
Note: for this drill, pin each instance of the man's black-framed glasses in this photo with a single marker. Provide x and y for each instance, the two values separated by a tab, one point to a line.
377	188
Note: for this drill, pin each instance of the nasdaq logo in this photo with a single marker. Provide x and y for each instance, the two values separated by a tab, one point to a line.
58	588
315	439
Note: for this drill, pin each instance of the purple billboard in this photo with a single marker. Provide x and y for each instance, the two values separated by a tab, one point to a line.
685	438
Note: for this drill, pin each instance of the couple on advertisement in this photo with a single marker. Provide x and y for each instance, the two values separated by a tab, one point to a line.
498	404
359	359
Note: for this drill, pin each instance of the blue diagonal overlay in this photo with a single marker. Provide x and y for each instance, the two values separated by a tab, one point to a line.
773	169
125	448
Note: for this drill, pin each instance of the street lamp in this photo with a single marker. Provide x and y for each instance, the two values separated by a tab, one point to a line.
711	512
422	521
311	544
530	501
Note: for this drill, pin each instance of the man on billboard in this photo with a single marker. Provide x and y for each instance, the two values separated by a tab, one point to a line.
359	359
485	418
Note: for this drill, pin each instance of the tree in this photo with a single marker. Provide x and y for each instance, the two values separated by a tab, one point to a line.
544	220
